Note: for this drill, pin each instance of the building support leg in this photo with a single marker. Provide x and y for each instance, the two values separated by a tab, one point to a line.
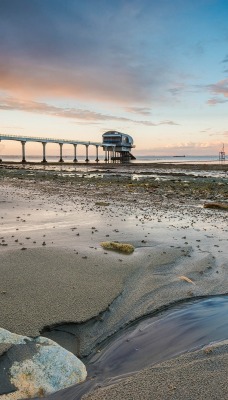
97	159
61	152
87	153
75	153
106	159
113	153
44	152
23	152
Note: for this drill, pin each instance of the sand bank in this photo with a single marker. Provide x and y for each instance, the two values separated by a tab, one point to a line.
42	287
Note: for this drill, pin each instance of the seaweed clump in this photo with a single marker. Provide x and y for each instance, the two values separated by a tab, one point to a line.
121	247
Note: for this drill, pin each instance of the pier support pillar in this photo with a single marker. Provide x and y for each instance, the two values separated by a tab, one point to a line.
97	159
0	156
106	159
61	152
113	153
87	153
23	152
75	153
44	152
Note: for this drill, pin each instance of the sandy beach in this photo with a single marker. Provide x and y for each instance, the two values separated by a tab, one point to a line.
58	281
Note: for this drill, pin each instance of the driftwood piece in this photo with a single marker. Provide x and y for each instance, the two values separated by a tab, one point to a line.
186	279
222	206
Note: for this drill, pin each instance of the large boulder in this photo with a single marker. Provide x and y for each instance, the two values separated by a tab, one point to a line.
35	367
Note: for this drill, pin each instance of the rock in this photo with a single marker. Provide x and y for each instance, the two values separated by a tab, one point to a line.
36	367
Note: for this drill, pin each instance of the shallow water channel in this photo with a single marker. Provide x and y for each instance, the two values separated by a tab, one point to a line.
181	328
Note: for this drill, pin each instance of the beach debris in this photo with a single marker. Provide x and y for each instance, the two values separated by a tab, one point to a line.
46	369
186	279
102	203
223	206
172	387
121	247
208	350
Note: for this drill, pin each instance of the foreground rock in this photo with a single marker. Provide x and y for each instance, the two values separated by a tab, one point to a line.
35	367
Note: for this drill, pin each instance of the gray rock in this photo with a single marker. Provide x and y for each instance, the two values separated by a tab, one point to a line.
36	367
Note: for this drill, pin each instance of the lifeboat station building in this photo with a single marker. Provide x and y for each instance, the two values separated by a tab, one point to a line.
117	146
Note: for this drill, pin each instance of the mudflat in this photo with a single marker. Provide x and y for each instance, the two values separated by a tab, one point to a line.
54	270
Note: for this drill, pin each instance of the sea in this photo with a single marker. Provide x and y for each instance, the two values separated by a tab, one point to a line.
213	159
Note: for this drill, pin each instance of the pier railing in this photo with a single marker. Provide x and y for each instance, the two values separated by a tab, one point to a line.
61	142
47	140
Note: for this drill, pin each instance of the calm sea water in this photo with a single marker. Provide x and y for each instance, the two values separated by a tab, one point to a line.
140	159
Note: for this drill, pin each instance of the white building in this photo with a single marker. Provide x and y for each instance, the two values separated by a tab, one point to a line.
120	145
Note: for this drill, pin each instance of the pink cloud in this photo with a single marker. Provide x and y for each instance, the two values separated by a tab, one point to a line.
219	88
26	79
10	104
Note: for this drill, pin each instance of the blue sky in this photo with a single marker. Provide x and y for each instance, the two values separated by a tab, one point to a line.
157	70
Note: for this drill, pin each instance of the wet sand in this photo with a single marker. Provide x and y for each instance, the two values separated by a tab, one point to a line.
55	271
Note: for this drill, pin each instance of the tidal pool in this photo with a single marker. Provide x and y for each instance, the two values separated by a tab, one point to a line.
181	328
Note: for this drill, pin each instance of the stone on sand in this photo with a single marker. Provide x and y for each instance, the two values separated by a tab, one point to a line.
38	367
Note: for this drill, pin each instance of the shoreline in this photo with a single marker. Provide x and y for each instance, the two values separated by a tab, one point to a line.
213	165
172	233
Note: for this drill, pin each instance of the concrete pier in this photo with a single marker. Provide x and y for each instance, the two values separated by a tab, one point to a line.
97	159
60	142
75	153
106	157
23	151
44	152
87	153
61	152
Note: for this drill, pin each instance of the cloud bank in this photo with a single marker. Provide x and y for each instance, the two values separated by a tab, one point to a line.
91	50
12	104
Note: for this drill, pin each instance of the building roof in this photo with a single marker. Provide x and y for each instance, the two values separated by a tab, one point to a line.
120	134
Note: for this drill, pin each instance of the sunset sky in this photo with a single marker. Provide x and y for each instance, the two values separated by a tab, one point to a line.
155	69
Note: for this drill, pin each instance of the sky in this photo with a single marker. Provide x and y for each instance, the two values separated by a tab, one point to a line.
154	69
